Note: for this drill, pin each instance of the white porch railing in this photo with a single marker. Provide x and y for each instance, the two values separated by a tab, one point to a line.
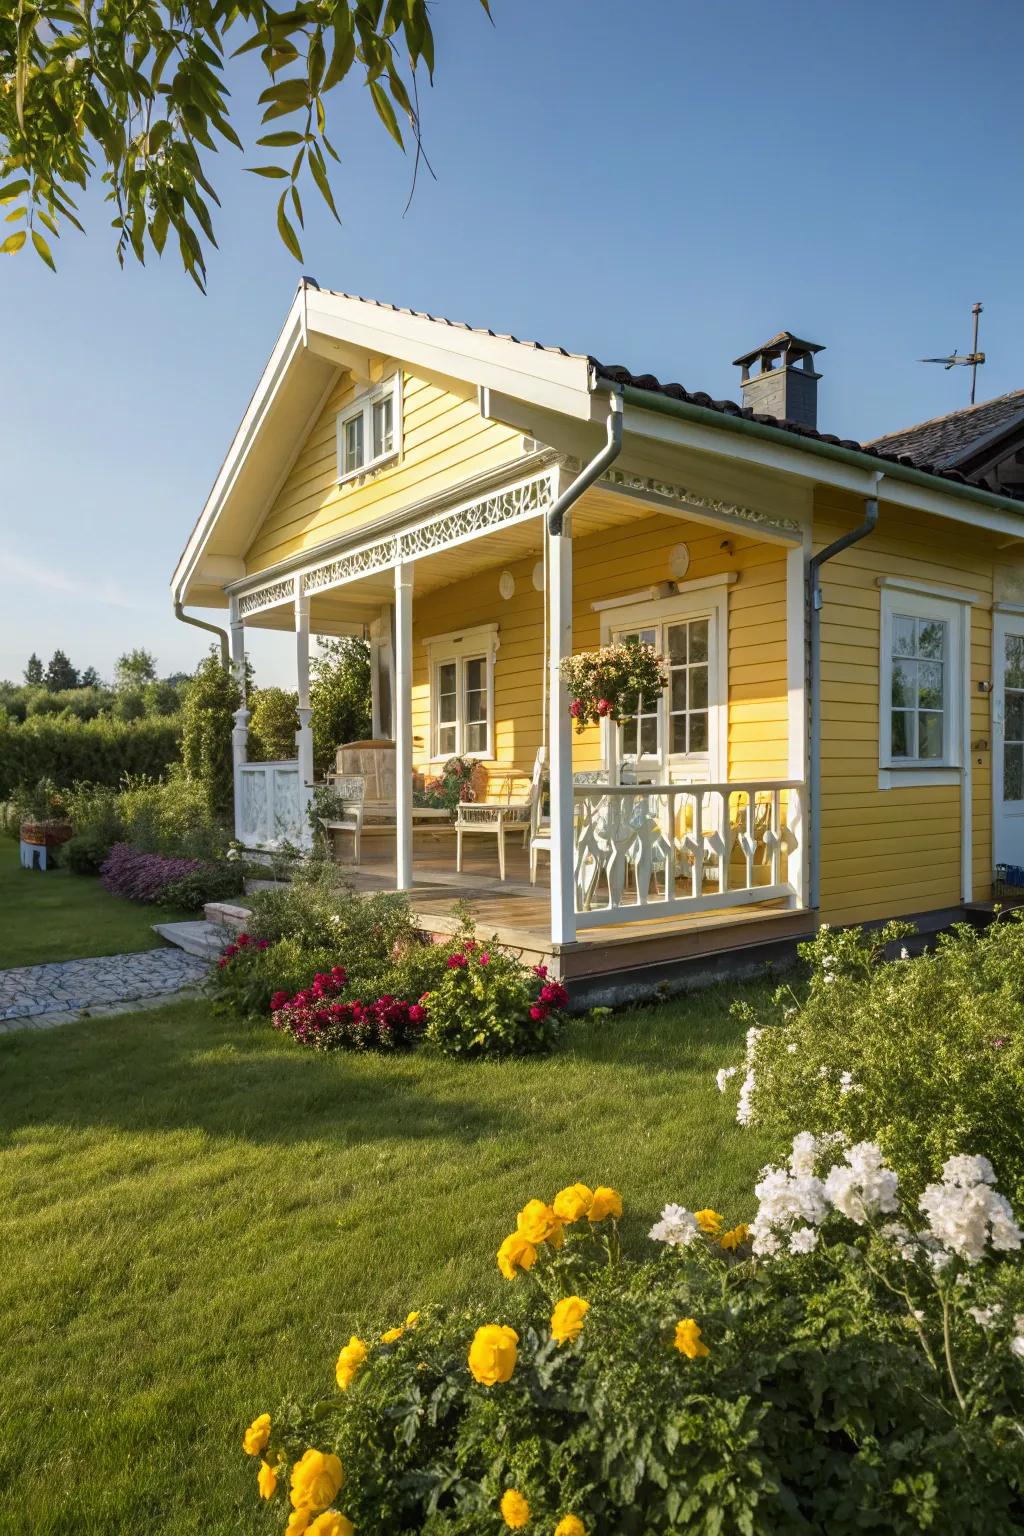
644	851
270	805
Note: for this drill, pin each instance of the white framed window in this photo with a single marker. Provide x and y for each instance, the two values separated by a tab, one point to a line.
684	729
370	429
462	693
921	703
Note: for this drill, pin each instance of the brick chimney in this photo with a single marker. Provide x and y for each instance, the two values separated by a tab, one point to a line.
786	384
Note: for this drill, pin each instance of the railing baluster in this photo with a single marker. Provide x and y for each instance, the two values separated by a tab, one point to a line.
777	836
748	852
669	834
698	839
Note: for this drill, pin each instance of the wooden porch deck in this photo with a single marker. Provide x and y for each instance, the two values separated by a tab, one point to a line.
518	913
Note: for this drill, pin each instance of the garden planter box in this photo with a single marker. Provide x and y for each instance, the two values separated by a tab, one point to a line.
46	834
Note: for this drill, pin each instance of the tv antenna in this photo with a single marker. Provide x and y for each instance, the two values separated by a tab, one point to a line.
969	359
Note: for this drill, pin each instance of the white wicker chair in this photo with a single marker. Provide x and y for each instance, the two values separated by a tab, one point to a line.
351	790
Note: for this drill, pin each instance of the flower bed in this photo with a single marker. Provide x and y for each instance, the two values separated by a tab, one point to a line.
151	878
851	1362
320	1018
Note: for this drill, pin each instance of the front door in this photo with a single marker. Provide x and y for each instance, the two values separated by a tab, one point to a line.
673	735
1008	738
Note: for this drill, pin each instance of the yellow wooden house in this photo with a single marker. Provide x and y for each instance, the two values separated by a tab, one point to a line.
843	628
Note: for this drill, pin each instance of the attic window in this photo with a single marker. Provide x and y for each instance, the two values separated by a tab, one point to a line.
370	429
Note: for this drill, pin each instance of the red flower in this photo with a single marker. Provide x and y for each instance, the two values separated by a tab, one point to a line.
540	970
456	962
538	1012
417	1014
484	958
262	943
231	949
554	994
278	1001
222	962
603	707
576	709
243	940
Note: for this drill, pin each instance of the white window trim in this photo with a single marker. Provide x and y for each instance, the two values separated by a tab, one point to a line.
363	406
919	600
459	646
706	600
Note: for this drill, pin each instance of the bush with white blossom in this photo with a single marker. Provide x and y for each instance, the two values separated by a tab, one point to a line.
924	1056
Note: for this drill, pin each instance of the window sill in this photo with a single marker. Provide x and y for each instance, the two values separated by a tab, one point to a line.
474	757
918	775
366	470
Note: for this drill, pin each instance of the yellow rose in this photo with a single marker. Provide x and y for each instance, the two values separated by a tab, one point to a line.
735	1237
492	1354
255	1439
567	1318
709	1222
316	1479
298	1522
557	1235
350	1362
266	1480
330	1523
687	1339
606	1202
570	1525
392	1336
514	1509
572	1203
516	1253
536	1221
412	1320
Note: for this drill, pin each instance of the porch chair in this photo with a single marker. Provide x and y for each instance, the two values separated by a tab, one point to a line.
491	818
351	790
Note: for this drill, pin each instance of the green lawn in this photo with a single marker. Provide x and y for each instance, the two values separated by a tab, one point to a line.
61	916
197	1213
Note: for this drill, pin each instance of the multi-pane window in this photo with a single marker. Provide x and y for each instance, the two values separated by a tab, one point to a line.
369	429
676	724
462	707
1013	722
919	665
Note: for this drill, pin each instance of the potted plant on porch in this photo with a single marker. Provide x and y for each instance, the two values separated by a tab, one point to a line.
608	684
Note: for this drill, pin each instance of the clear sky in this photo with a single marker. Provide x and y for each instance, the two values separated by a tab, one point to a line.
663	183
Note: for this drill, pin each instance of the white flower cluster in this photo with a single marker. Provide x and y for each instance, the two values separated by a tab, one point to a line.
793	1201
965	1214
723	1075
744	1104
677	1227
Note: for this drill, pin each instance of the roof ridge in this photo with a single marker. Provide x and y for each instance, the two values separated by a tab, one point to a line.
933	421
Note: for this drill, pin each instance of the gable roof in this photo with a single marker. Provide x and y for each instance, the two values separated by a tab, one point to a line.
946	442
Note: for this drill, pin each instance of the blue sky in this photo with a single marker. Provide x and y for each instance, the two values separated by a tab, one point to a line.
664	183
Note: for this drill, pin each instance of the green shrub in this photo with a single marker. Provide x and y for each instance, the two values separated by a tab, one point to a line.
854	1386
173	818
214	881
273	723
486	1002
71	751
245	987
924	1055
339	692
208	717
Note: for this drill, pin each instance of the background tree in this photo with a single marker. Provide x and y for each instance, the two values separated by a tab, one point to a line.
34	671
60	673
134	669
207	721
272	725
133	91
339	691
90	679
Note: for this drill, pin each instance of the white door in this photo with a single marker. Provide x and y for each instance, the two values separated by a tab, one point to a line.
676	733
1008	738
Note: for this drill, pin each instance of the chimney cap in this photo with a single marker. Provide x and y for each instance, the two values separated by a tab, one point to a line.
784	342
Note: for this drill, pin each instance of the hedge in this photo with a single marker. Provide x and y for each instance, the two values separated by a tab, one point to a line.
101	751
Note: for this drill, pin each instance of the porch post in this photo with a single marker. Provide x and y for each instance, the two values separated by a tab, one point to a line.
796	683
402	709
240	731
304	734
563	883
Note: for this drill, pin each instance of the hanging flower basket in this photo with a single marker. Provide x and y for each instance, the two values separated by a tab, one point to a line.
607	684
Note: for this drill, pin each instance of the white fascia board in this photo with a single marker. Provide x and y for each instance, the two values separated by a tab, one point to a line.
289	344
804	465
557	381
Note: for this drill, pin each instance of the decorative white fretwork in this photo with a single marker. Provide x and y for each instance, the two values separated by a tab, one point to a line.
266	597
648	485
497	509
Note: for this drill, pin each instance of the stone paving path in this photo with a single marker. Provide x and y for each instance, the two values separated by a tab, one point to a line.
37	996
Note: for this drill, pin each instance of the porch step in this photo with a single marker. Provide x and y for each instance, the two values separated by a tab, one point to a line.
226	914
196	938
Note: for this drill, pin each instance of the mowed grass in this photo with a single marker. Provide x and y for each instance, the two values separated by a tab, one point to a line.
61	916
198	1213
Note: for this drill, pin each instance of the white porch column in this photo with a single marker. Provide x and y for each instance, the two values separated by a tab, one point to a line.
304	734
240	731
402	710
796	684
563	884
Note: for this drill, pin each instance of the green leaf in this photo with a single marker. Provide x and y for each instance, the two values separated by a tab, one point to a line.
386	112
286	231
297	205
319	170
342	57
13	188
276	172
283	140
13	243
294	93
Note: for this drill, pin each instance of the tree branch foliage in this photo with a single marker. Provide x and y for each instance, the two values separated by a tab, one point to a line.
134	91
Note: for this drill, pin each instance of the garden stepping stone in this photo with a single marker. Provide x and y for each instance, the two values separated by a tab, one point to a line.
196	938
58	992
